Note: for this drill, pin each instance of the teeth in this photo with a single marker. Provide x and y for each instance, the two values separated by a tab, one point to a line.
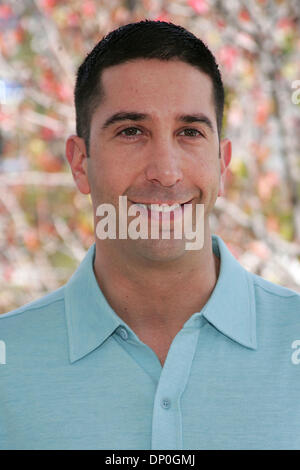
162	207
159	207
142	205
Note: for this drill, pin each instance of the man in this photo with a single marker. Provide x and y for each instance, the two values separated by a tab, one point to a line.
151	345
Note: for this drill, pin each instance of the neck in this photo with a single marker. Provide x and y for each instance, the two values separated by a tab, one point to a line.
148	296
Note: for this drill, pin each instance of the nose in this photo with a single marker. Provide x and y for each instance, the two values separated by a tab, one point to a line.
164	163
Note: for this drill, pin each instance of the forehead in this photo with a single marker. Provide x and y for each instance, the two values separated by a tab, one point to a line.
158	85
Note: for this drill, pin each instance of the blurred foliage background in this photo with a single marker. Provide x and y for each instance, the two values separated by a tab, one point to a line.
46	224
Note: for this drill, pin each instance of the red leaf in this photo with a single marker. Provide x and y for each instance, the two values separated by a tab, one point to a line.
200	6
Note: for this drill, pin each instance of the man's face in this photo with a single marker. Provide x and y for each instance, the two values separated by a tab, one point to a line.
159	153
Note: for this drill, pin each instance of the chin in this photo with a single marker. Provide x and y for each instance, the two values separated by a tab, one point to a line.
160	250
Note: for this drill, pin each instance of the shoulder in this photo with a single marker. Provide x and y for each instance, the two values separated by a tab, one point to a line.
273	289
34	334
275	299
51	302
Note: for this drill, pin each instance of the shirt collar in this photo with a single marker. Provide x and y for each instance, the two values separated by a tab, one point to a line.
91	320
231	308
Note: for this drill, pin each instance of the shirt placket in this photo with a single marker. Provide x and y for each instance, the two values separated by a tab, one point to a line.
167	412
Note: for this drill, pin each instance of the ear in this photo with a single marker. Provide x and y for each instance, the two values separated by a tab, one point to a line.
225	157
77	157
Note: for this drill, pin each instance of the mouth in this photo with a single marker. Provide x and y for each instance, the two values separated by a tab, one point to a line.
162	207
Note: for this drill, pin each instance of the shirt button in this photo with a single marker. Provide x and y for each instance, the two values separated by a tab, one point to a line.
123	333
165	403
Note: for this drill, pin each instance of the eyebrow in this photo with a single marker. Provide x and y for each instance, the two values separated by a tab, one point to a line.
135	116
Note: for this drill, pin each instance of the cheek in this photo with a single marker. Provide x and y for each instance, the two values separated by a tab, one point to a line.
108	179
206	171
204	157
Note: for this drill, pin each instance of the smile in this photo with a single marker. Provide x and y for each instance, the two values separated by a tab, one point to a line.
160	207
164	207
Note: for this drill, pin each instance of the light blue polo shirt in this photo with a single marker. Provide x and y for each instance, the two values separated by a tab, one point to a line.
77	377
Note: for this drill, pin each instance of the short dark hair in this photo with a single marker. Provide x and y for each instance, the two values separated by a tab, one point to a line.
146	39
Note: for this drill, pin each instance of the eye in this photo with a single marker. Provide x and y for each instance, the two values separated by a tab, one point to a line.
129	132
191	132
